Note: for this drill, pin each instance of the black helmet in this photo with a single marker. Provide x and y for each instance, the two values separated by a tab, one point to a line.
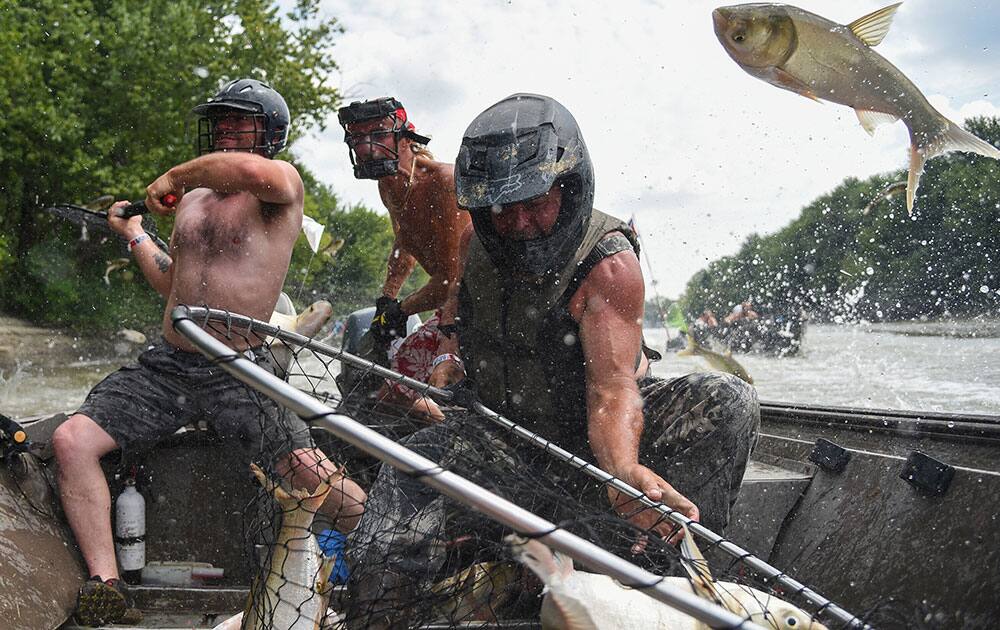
516	150
246	95
386	108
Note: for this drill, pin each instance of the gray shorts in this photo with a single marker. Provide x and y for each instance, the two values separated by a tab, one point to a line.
145	402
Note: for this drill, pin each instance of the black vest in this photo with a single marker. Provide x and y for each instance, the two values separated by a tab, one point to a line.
520	344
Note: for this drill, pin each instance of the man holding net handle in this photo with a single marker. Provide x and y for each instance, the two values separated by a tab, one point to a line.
237	213
549	314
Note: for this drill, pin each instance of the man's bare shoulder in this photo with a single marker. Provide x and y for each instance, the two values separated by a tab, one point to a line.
615	281
439	172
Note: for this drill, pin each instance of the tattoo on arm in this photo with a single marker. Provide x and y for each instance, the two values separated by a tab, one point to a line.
163	262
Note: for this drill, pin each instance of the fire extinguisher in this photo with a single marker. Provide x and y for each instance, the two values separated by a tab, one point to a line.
130	532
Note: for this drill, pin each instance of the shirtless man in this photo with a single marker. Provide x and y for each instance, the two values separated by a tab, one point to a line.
237	215
419	193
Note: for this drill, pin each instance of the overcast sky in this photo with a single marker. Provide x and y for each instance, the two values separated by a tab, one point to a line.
699	151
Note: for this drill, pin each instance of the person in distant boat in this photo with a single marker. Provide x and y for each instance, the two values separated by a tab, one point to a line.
419	193
705	323
743	310
238	213
707	319
548	312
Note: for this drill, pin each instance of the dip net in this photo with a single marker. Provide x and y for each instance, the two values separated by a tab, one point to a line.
420	559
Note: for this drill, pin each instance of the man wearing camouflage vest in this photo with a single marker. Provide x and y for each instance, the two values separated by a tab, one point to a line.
548	332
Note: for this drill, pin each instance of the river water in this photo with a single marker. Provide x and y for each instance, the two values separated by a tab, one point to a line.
929	367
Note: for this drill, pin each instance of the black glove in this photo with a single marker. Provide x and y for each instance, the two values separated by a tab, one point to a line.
389	322
462	393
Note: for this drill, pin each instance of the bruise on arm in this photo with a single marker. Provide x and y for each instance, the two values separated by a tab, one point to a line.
608	307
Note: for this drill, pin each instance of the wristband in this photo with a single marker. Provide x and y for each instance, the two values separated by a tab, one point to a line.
135	241
441	358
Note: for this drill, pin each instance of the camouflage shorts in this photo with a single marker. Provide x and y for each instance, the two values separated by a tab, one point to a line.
168	388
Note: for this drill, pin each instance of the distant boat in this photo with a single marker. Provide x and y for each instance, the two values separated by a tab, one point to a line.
776	334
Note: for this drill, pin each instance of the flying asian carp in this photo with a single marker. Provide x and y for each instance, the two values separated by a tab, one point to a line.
800	51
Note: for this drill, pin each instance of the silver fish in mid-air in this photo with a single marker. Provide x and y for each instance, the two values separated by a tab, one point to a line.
575	600
800	51
889	191
98	204
721	362
115	265
295	591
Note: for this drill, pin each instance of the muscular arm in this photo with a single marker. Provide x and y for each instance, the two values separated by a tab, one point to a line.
449	372
155	264
608	306
272	181
427	297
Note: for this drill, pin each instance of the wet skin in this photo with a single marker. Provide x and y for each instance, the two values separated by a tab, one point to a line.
426	221
230	248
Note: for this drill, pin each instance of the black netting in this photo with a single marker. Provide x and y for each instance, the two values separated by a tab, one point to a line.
418	558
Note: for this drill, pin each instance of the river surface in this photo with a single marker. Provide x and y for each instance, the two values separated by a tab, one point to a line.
929	367
910	366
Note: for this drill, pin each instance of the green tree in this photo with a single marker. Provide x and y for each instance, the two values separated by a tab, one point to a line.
96	97
852	254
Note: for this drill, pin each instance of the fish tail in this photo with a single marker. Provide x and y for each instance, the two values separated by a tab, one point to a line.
290	500
951	138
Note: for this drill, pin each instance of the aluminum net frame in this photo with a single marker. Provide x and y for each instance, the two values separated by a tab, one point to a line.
310	385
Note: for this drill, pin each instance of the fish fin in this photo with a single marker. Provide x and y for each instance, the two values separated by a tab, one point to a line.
323	585
952	138
871	28
573	615
917	160
233	623
697	569
870	120
790	82
535	555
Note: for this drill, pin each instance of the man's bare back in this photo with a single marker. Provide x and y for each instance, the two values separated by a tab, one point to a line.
230	251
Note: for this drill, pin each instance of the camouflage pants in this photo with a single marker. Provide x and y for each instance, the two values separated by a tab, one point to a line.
699	432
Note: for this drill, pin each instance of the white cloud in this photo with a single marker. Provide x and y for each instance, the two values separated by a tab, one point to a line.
701	152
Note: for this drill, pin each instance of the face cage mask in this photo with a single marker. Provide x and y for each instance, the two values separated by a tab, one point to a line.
375	168
206	135
386	108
